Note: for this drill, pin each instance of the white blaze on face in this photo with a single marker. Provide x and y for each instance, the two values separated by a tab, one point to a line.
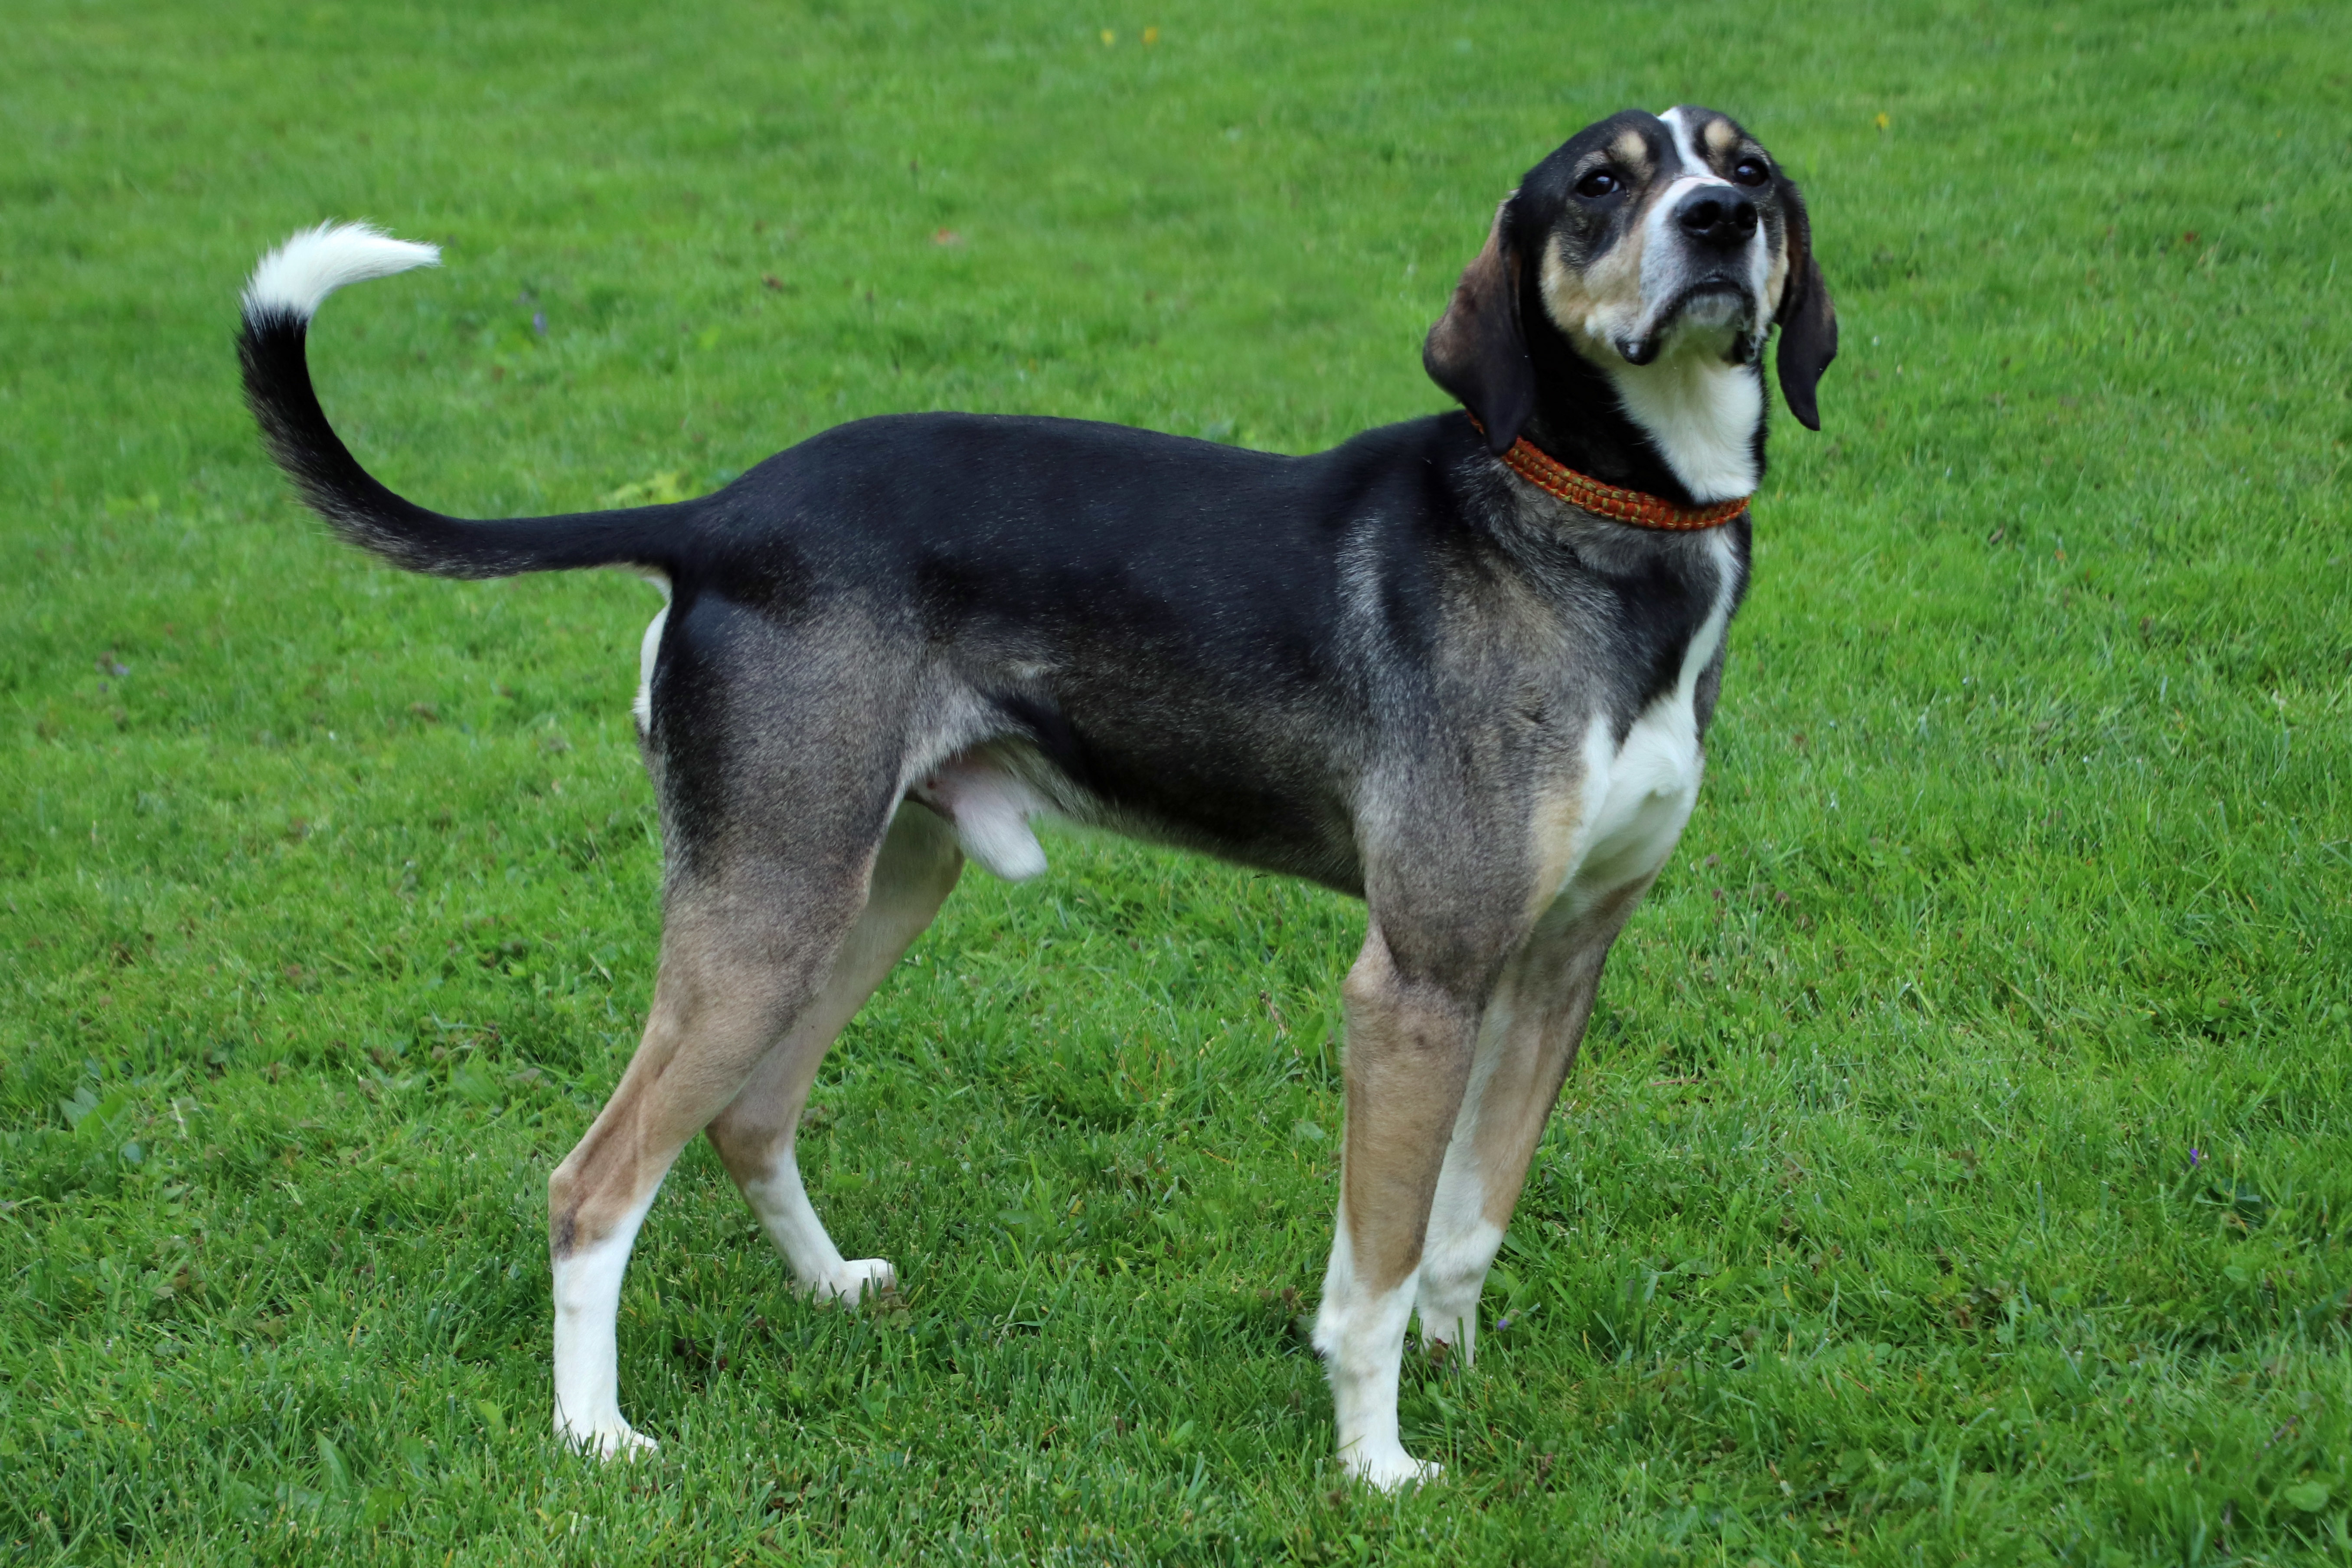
1668	264
1700	411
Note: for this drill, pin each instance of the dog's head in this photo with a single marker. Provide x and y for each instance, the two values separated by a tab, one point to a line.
1643	241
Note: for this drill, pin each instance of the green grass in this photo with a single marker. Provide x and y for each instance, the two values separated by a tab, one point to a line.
1959	1166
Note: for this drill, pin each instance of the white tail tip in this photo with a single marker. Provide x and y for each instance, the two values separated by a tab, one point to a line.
298	275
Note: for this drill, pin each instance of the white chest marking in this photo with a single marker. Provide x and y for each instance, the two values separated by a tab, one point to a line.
1700	412
1639	794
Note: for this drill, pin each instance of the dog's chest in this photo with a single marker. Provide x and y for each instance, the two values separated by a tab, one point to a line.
1637	796
1636	793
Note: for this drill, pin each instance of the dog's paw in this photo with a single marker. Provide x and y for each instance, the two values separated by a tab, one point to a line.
614	1439
1448	1349
1388	1466
862	1278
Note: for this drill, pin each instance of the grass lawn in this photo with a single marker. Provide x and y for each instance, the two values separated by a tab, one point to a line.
1960	1166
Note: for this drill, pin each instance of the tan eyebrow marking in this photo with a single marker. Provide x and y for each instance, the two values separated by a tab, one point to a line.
1629	150
1719	137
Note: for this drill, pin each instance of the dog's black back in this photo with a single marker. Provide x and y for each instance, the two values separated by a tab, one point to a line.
1204	644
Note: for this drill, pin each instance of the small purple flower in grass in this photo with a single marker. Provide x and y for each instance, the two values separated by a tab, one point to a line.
539	322
2196	1158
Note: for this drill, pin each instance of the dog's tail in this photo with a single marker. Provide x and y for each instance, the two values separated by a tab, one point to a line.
286	291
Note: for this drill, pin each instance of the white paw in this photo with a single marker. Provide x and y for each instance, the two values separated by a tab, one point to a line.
1445	1348
613	1439
865	1277
1449	1316
1387	1466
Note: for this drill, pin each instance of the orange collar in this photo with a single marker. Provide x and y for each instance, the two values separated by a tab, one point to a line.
1640	508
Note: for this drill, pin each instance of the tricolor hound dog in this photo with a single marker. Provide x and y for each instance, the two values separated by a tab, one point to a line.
1458	667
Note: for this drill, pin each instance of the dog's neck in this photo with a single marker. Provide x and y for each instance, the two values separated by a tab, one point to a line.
1688	427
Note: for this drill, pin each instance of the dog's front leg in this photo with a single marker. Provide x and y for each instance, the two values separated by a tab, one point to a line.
1527	1041
1410	1039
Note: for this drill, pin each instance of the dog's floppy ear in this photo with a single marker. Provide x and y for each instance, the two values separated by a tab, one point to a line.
1477	351
1808	320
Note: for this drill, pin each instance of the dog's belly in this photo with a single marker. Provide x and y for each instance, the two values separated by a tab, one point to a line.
992	795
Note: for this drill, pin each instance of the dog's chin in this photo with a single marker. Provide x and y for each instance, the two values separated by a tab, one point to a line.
1717	318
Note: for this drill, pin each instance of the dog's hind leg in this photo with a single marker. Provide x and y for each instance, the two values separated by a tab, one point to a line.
754	1136
748	947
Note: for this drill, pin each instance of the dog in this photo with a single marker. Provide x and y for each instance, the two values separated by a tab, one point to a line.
1459	667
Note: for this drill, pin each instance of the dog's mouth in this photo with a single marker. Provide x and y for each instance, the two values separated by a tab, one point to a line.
1713	305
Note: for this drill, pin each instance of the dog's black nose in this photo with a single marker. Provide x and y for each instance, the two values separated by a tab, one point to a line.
1720	217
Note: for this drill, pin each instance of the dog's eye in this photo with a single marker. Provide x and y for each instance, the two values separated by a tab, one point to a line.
1751	172
1598	184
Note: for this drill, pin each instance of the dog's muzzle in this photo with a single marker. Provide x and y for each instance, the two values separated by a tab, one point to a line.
1705	278
1716	302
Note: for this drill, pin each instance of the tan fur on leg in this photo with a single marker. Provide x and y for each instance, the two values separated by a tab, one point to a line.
742	960
1409	1050
1527	1041
754	1136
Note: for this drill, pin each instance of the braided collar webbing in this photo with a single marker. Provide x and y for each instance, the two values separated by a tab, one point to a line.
1640	508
